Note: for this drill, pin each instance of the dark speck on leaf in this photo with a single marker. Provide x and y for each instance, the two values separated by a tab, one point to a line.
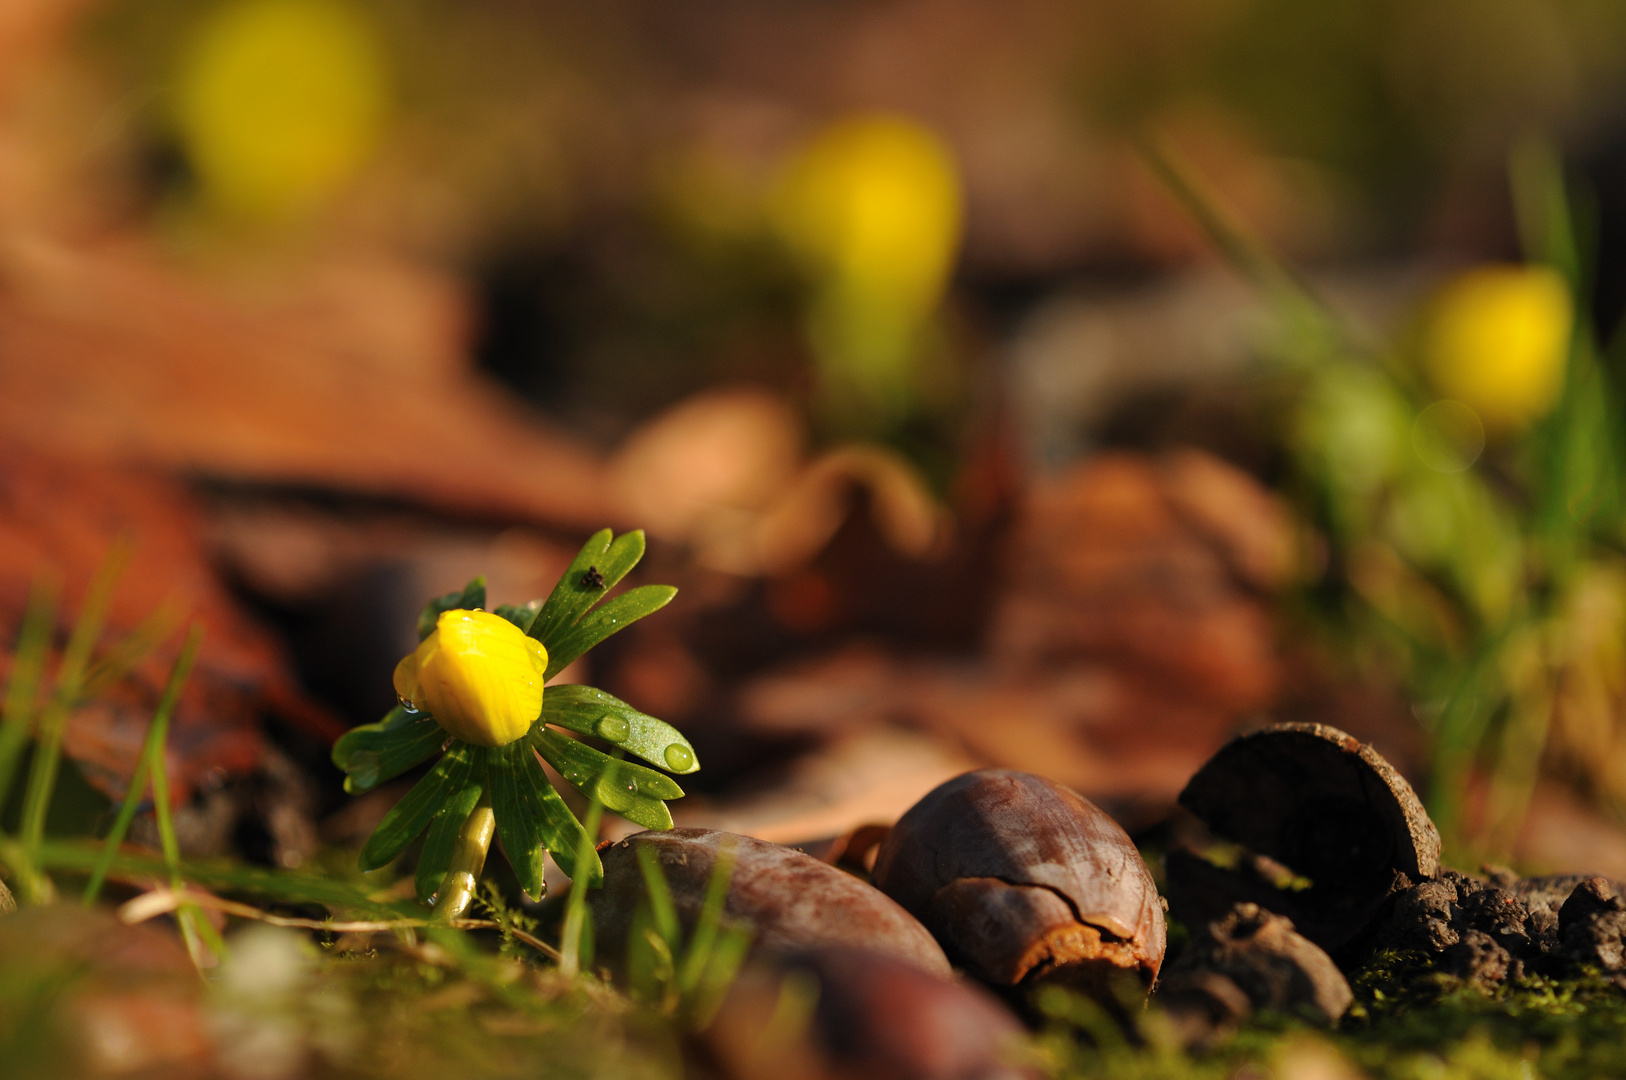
592	579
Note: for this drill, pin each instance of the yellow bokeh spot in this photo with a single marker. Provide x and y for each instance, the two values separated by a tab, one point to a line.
278	102
872	209
478	675
1497	339
874	202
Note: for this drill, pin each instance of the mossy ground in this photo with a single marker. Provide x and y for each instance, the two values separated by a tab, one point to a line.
1409	1022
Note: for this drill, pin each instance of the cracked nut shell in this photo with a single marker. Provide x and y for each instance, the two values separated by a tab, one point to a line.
789	900
1309	799
1023	880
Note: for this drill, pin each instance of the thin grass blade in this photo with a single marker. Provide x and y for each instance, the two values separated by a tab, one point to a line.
27	672
709	923
157	733
576	939
43	769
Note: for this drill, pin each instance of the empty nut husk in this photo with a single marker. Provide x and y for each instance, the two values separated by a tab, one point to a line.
1023	880
1250	960
1307	801
856	1014
788	900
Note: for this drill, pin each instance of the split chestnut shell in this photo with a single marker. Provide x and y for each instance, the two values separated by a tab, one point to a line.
1023	880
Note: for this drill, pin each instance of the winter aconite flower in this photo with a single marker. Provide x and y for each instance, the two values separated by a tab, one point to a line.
1497	340
478	675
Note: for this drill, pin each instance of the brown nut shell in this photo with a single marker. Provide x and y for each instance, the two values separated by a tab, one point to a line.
1313	800
863	1015
1022	880
789	900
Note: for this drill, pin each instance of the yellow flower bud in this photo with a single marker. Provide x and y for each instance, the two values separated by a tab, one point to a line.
1497	340
478	675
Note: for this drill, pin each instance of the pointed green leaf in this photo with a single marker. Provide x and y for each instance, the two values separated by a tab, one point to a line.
519	823
436	857
634	792
590	711
604	620
450	776
472	595
373	753
597	568
561	833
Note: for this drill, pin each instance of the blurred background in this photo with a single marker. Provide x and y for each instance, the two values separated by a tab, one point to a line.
1055	385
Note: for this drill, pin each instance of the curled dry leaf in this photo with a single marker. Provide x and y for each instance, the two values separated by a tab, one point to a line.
1306	801
1024	881
789	900
854	1013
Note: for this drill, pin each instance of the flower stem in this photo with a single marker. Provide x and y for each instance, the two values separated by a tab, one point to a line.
468	859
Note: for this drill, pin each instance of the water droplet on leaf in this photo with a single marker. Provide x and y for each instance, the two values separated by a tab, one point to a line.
679	757
613	729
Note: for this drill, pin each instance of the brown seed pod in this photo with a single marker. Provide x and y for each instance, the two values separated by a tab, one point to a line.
1024	880
788	899
855	1014
1250	960
1308	802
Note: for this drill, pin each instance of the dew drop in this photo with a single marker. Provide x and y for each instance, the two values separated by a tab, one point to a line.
613	729
679	757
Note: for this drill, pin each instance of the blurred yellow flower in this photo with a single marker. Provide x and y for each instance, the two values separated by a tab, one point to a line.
478	675
1497	338
872	209
278	102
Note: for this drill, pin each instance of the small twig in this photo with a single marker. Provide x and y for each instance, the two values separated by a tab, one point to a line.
162	901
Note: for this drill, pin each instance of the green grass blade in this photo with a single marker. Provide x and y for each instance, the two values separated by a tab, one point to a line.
604	620
727	957
576	939
131	649
195	929
441	840
409	817
577	590
590	711
43	769
659	894
634	792
706	928
373	753
470	596
279	886
27	670
518	820
151	750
